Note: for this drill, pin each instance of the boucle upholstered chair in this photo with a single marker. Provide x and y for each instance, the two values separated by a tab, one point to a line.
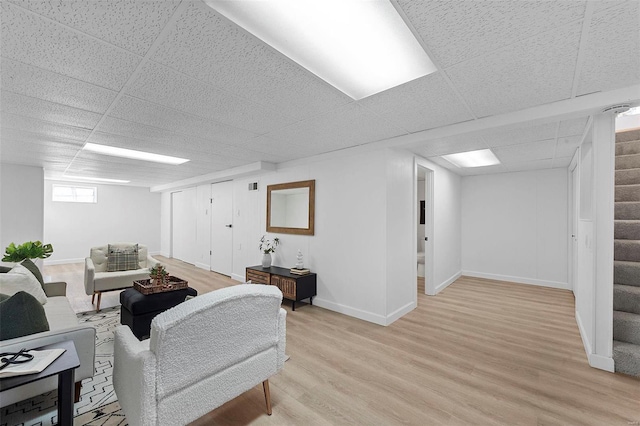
201	354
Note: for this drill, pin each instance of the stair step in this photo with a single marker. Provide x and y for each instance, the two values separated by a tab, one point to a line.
626	250
627	210
627	193
629	135
631	161
626	273
627	176
626	230
626	298
625	148
626	358
626	327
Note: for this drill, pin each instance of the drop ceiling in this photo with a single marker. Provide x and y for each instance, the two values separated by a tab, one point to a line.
176	78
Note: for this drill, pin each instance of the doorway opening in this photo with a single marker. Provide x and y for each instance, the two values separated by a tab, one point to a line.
423	226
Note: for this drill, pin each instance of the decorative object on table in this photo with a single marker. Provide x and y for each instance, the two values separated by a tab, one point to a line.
299	260
301	271
267	246
27	362
28	250
159	275
148	287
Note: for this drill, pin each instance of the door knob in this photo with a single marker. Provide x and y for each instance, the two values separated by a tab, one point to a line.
229	226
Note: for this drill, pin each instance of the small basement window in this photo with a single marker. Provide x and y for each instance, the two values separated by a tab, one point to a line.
75	194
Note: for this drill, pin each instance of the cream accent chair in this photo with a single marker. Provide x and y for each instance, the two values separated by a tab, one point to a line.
201	354
97	279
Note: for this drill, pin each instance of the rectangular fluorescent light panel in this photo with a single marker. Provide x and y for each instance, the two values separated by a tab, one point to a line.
94	179
133	154
480	158
361	47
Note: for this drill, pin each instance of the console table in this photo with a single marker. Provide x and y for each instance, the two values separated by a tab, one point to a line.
294	287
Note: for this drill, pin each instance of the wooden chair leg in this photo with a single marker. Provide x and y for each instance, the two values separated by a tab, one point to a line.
267	395
93	298
99	300
76	396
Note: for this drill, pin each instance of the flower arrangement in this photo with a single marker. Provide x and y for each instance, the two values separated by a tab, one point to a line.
267	246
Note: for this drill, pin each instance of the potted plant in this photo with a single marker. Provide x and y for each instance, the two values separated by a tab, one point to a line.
267	246
28	250
158	275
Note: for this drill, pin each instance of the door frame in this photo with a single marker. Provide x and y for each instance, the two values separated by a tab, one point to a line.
574	197
429	283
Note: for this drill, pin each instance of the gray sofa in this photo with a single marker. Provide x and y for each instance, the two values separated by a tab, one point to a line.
63	325
98	280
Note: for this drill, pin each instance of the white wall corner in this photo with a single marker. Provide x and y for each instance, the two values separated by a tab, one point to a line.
519	280
348	310
399	313
446	283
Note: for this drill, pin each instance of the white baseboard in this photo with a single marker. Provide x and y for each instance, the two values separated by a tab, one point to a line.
448	282
399	313
238	277
155	253
601	362
63	261
202	266
348	310
519	280
583	335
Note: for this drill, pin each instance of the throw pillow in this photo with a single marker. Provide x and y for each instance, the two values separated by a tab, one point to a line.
20	315
122	258
20	278
33	268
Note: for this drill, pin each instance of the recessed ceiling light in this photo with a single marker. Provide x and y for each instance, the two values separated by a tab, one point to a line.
480	158
359	47
133	154
94	179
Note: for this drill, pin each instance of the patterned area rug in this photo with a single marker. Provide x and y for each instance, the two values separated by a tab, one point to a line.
97	396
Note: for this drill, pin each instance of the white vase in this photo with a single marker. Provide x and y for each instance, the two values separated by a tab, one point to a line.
266	260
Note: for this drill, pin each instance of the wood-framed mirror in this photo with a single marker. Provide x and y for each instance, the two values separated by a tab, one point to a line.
291	207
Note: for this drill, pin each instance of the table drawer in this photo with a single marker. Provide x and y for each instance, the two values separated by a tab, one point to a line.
286	285
257	277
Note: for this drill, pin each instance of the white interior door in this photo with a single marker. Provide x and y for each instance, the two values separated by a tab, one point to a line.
183	207
222	227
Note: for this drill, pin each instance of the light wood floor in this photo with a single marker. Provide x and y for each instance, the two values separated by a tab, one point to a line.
481	352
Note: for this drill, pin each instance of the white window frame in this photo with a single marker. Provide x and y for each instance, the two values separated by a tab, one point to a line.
73	189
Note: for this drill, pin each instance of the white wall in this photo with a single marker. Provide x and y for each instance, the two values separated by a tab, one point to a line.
514	227
364	247
21	206
122	213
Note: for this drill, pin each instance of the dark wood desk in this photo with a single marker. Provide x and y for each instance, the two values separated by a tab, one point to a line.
64	367
293	287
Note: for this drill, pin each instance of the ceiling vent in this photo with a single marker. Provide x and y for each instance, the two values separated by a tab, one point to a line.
617	109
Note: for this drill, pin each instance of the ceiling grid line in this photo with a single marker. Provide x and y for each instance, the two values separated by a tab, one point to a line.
155	45
584	38
436	62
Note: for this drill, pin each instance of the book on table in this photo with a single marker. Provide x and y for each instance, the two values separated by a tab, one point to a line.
41	360
297	271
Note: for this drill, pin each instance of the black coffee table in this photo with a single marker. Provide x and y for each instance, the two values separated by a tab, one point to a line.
63	367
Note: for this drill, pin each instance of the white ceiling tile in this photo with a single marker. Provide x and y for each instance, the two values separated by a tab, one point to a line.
31	39
530	165
600	5
540	150
37	139
514	135
566	146
42	84
572	127
449	145
130	24
486	170
612	53
532	72
47	111
341	128
456	31
162	85
44	128
426	102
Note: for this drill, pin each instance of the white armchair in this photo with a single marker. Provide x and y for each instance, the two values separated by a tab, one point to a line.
201	354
